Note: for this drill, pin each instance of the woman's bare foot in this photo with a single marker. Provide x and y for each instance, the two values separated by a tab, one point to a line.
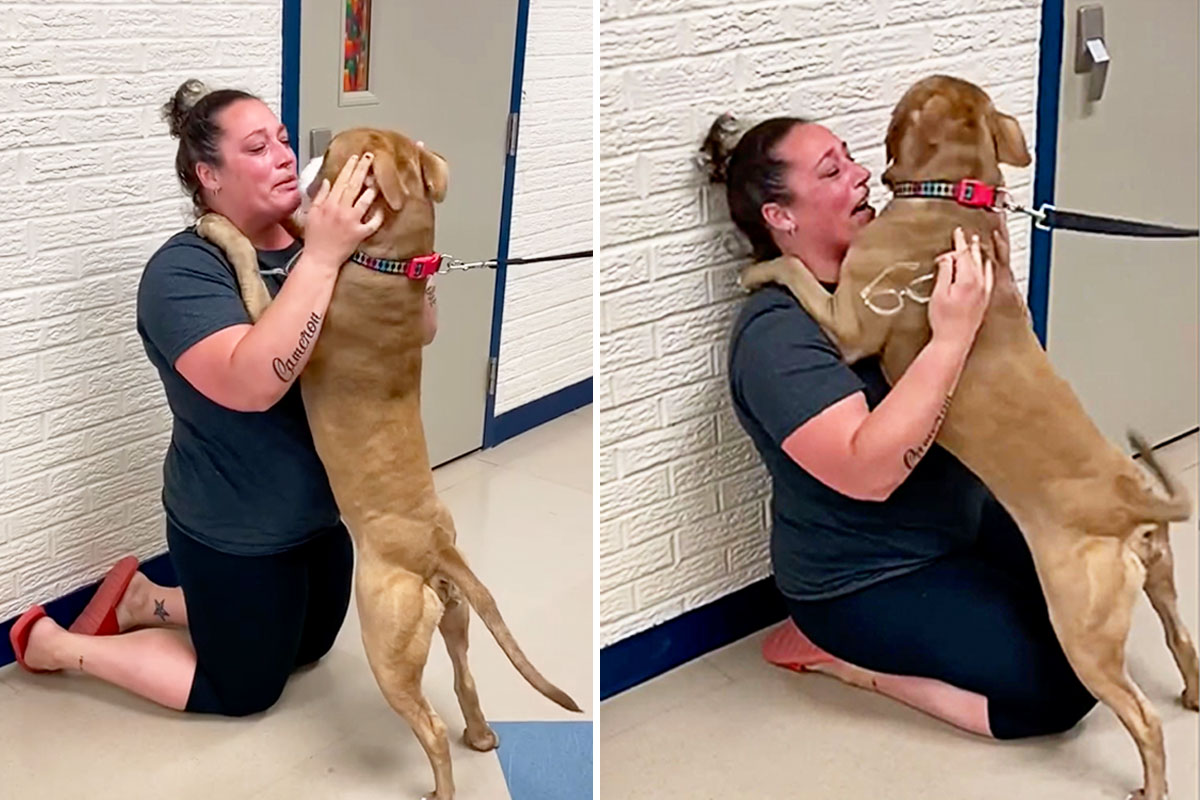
42	652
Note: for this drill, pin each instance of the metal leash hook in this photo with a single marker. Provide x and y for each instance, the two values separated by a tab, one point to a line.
452	264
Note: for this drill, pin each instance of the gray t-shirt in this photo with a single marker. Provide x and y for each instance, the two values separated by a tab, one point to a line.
242	483
783	371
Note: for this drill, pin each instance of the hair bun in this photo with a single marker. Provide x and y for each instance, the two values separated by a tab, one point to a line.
175	110
717	147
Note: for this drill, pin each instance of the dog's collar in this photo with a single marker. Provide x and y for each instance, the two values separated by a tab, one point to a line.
966	192
414	268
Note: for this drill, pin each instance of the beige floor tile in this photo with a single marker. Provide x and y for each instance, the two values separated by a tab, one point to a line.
643	704
332	735
570	465
459	470
758	731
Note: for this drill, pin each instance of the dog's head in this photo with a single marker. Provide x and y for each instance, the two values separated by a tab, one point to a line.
409	179
946	128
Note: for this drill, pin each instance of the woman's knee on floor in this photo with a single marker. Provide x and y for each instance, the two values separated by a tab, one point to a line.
314	651
1050	704
236	698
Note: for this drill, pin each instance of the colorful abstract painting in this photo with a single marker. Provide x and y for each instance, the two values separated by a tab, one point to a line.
355	60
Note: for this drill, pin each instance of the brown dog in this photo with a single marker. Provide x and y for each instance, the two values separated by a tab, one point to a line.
1096	531
361	392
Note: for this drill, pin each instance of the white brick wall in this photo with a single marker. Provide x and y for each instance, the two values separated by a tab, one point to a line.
89	194
546	335
683	498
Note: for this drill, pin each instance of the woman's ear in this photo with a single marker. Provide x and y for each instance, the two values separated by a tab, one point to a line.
778	218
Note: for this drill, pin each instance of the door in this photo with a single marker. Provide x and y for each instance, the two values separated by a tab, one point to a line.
440	72
1122	321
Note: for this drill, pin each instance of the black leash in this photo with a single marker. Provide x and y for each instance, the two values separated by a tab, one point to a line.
1050	218
451	264
559	257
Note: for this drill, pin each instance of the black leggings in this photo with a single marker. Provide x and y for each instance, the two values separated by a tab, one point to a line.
255	619
976	620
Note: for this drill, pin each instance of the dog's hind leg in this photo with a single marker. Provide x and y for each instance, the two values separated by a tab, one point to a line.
398	618
1160	589
1104	675
478	735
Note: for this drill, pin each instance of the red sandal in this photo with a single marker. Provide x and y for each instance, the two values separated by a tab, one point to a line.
99	617
787	647
19	635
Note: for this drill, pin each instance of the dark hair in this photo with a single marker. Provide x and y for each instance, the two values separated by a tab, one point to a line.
752	174
191	114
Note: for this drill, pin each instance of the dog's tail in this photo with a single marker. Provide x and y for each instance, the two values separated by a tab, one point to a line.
455	568
1177	506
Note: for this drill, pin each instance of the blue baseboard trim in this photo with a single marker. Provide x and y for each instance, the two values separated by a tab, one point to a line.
65	609
1046	148
538	412
645	655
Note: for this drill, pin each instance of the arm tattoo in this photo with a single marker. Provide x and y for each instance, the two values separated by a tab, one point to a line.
285	369
914	454
160	609
431	295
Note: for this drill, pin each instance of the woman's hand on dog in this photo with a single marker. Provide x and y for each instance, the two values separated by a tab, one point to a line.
962	291
334	226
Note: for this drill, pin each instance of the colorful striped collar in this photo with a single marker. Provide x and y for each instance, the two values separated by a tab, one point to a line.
967	192
415	268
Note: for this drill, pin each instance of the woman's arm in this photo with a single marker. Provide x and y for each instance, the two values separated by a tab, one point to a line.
250	367
867	454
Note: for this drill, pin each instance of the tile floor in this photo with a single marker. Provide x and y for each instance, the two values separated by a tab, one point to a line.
730	726
524	515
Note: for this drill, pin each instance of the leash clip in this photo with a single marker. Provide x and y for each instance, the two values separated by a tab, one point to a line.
455	265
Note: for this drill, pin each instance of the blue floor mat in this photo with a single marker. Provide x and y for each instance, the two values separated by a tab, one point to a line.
546	760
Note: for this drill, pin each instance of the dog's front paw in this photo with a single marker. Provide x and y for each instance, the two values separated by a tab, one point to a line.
483	740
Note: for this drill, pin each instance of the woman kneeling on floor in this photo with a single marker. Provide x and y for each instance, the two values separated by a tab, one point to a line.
255	537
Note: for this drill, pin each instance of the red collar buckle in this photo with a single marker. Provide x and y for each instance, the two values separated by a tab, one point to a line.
423	266
975	194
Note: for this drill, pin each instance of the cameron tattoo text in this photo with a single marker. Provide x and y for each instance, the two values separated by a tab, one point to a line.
913	454
285	370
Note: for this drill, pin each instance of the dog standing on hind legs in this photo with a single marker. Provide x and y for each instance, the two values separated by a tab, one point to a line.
1096	530
361	392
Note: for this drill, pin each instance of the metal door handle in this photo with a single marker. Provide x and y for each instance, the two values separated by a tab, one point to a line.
1091	53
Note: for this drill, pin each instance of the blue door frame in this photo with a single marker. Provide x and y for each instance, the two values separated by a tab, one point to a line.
1046	149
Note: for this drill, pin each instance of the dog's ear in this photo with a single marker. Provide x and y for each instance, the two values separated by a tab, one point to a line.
1010	142
396	181
435	173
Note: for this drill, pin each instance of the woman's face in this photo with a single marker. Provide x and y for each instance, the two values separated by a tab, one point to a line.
257	176
829	191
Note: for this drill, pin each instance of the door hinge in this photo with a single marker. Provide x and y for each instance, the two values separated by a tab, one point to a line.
510	136
493	367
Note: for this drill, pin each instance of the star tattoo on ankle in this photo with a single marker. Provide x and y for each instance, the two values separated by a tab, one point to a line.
160	609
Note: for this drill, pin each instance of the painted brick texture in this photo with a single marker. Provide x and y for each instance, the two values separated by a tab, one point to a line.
90	194
683	499
546	338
